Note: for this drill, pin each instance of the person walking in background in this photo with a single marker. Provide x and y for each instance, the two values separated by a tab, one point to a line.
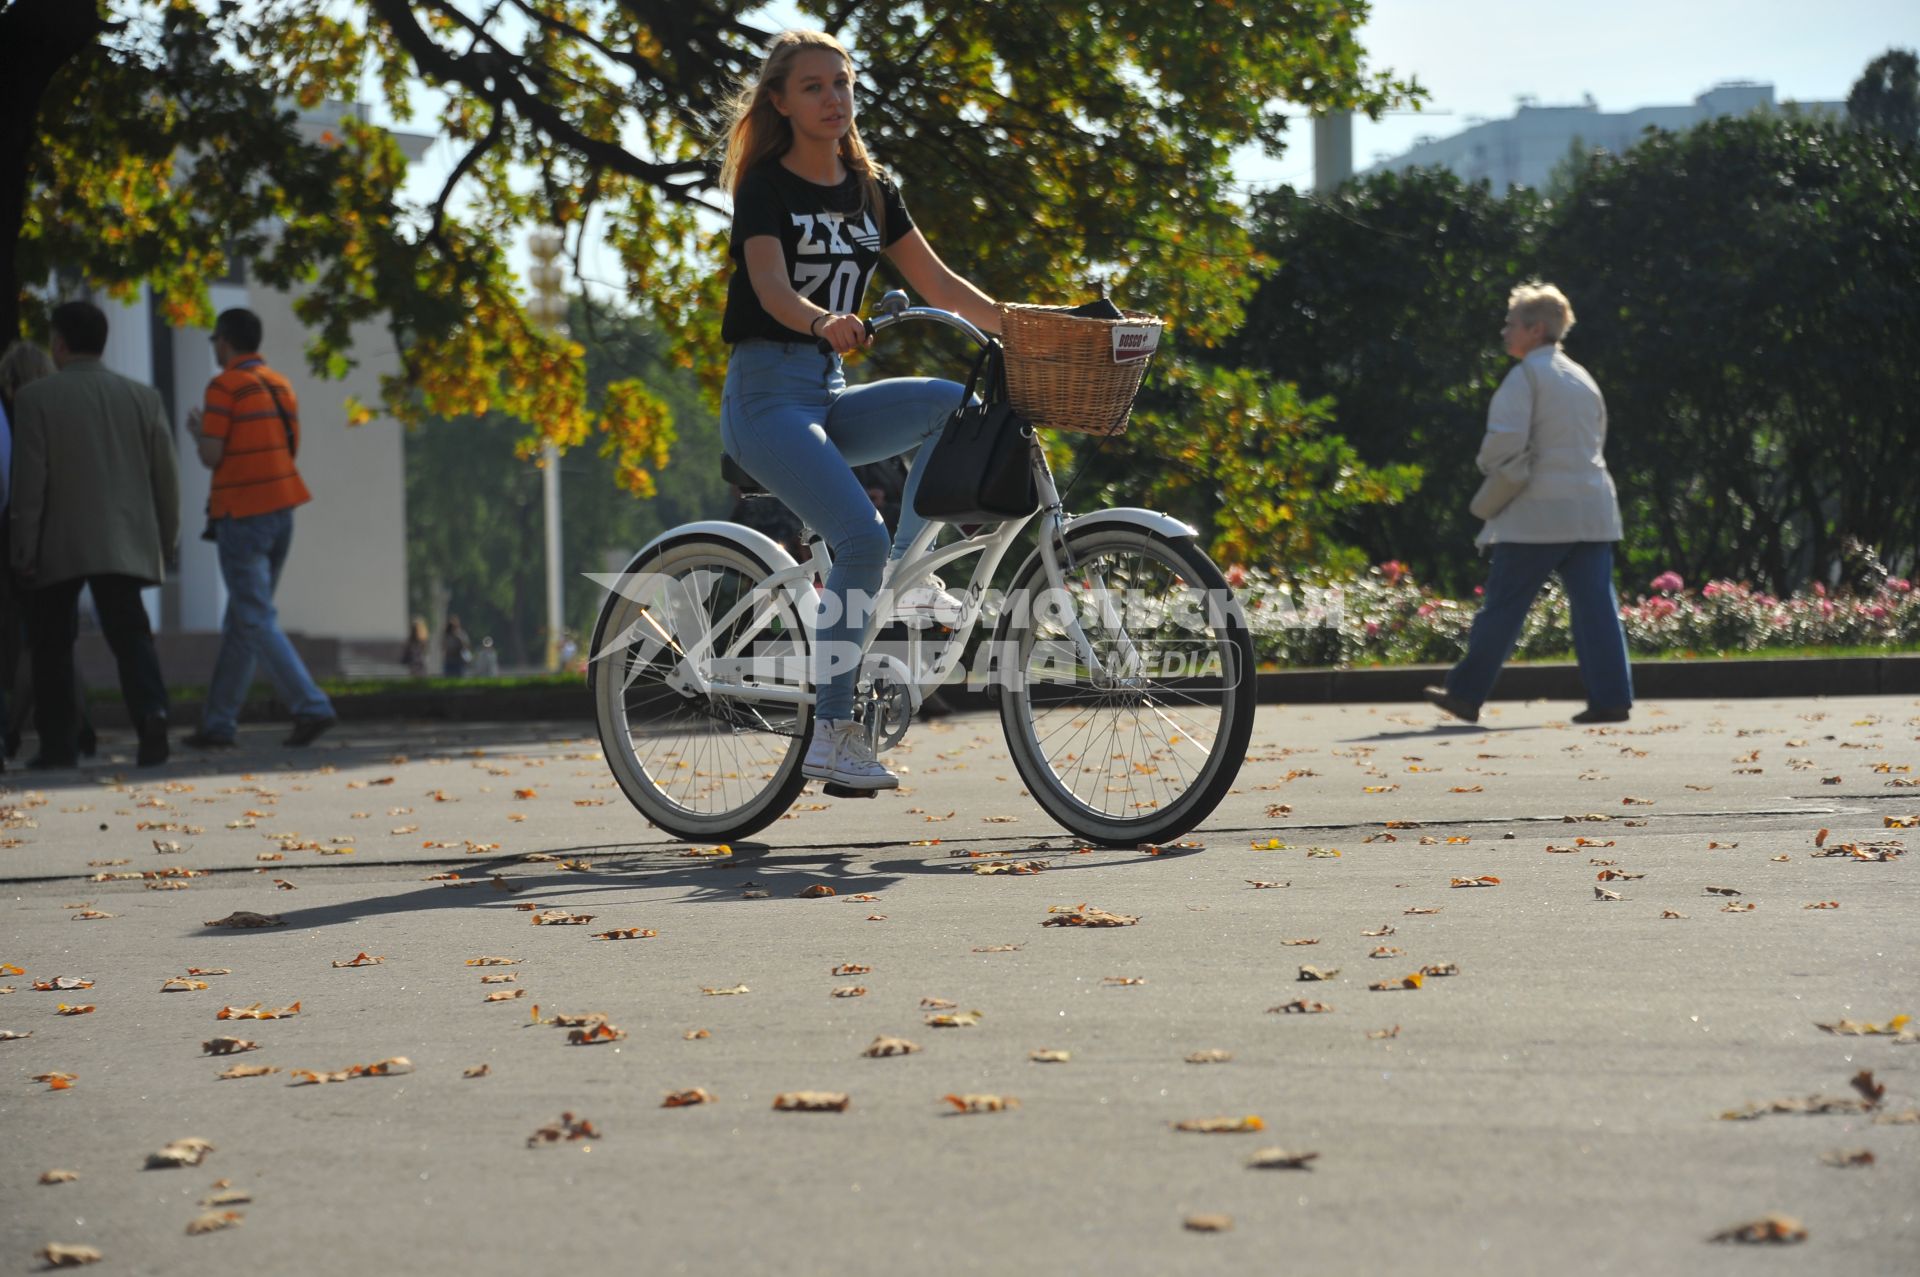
248	434
96	504
486	662
455	650
1550	507
419	642
24	362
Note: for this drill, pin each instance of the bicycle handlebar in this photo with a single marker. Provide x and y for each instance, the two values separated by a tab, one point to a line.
893	309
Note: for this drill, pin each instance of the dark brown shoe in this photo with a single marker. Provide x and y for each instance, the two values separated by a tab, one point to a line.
1446	702
307	729
154	748
1594	714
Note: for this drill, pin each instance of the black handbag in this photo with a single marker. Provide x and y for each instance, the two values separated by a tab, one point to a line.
981	470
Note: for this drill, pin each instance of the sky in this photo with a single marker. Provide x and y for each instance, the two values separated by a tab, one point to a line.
1477	57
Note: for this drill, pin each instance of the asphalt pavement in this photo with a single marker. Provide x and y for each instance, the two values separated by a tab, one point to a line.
1554	1105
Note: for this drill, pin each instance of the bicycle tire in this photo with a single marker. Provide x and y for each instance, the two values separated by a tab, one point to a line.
741	776
1150	721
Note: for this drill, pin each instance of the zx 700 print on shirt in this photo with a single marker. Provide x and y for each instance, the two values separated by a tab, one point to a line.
836	284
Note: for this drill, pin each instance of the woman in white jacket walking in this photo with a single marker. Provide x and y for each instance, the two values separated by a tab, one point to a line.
1565	519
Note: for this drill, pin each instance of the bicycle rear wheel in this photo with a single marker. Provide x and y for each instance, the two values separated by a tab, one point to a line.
700	766
1144	751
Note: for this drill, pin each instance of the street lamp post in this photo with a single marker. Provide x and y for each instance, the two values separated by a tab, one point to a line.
549	307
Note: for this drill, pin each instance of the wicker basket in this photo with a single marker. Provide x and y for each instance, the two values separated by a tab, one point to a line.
1072	373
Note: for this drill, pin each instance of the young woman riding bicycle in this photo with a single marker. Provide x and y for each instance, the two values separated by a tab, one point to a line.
813	215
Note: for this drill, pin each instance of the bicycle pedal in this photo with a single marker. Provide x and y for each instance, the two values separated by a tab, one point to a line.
846	791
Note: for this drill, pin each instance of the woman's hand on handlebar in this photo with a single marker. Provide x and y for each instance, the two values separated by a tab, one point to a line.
843	333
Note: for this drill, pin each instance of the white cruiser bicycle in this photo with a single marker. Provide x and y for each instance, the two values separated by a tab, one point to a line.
1120	660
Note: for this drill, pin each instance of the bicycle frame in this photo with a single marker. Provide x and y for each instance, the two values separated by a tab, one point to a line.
918	564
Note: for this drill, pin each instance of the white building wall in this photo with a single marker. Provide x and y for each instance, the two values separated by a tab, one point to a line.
1525	150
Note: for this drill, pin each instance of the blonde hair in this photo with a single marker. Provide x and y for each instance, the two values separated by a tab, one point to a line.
23	362
757	132
1535	302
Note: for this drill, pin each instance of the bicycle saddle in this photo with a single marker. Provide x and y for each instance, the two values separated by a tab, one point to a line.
734	473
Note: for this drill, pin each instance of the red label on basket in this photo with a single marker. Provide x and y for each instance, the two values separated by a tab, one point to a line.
1134	342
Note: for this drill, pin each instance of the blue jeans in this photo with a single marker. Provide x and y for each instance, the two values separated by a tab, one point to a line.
252	552
1519	571
789	419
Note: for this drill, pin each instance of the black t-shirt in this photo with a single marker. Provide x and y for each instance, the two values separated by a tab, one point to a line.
829	245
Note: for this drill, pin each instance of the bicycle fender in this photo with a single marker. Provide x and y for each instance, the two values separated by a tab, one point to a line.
762	546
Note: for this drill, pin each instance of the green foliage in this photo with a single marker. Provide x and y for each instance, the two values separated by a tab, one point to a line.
475	519
1745	292
1887	96
1048	150
1387	297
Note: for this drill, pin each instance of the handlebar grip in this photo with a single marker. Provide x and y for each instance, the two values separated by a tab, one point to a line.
825	347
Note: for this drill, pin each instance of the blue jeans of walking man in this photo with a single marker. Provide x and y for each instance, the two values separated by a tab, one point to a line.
1520	570
252	552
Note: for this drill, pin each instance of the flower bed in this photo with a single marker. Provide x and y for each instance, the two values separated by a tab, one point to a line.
1385	617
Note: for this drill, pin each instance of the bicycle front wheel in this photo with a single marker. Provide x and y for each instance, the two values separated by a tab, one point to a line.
700	764
1141	744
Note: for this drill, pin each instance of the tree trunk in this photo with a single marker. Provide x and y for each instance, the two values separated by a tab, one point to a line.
37	38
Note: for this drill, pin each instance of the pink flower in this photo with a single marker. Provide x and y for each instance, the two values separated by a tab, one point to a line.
1236	576
1373	628
1395	571
1668	583
1877	612
1819	590
1479	591
1425	609
1662	606
1826	607
1711	588
1899	585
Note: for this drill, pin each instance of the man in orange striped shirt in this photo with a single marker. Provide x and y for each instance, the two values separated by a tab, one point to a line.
249	434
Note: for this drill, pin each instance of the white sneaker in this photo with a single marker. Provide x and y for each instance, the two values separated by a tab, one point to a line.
929	603
839	753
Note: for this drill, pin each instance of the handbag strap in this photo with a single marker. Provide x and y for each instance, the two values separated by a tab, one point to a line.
285	423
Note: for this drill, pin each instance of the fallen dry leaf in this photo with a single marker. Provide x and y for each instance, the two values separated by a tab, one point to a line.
361	959
1380	1035
852	968
1086	916
180	984
1767	1229
1723	891
998	948
850	991
1280	1159
228	1046
1212	1056
1387	951
1856	1028
504	995
881	1047
687	1098
1412	981
1124	981
625	933
245	918
1299	1006
64	1255
1302	941
235	1071
695	1035
1734	906
1601	893
1873	1092
1221	1125
817	891
1420	910
57	1081
14	1035
92	915
84	1008
953	1020
58	1177
811	1101
1259	885
492	962
65	983
391	1067
561	918
726	993
1846	1157
257	1012
982	1103
190	1151
214	1221
566	1130
1317	973
1484	880
1440	969
595	1035
1047	1055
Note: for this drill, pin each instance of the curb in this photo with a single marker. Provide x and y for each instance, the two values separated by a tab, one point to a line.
1717	679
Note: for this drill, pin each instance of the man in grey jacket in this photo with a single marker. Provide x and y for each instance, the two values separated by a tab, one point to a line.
96	503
